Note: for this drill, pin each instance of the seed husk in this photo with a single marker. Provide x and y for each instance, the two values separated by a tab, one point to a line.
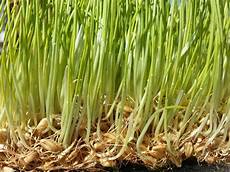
158	151
159	148
32	156
41	127
154	154
109	138
7	169
149	160
50	145
216	143
200	139
27	136
210	159
157	154
107	163
198	147
128	109
188	149
98	147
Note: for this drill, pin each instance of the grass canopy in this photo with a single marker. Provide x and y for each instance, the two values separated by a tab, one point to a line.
86	82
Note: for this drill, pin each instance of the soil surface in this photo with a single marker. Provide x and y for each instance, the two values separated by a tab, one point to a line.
190	165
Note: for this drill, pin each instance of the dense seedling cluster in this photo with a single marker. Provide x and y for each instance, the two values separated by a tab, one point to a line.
91	81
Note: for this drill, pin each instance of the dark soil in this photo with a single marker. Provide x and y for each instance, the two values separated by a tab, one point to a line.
190	165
